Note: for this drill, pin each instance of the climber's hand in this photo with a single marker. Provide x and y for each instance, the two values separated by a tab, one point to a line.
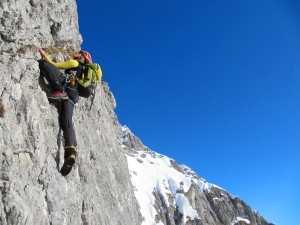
42	52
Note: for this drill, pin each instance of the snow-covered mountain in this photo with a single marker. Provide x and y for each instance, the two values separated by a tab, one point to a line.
169	193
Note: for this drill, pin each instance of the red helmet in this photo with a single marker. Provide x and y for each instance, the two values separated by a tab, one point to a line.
87	56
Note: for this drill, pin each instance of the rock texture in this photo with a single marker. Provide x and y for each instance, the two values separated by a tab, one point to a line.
33	192
98	190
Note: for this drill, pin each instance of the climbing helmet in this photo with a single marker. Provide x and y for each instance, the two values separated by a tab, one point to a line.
87	56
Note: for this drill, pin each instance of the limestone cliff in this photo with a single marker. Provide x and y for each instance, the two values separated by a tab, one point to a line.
99	190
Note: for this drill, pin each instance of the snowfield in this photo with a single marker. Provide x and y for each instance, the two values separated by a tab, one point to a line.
168	191
152	172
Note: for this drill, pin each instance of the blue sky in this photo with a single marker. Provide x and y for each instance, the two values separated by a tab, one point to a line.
214	85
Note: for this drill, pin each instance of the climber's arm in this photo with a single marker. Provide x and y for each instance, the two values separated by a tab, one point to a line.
72	63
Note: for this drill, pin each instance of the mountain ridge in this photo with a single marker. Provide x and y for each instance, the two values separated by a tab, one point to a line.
179	191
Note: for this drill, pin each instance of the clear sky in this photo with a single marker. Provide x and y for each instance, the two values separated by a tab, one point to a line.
213	84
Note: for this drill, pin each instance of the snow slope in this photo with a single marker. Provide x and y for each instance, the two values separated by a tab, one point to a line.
169	193
151	172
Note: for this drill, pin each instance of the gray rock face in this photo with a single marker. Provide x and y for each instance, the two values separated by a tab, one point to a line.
98	191
33	192
44	23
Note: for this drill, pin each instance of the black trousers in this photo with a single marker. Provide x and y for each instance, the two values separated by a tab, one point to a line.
56	80
53	75
66	122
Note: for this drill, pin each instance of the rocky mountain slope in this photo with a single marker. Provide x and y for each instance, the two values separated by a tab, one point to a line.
102	188
169	193
33	191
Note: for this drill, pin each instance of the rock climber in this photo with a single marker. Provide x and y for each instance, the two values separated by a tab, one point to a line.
64	87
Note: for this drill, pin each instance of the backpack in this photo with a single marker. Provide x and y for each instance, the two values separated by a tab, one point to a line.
87	82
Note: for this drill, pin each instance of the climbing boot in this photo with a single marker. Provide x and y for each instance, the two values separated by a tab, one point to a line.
58	95
70	156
